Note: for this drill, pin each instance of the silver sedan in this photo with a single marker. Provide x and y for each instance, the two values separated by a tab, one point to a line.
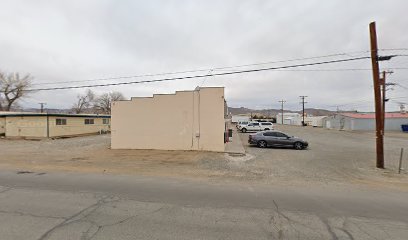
276	139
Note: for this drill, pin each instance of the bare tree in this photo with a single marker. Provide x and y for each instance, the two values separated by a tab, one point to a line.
104	101
84	101
12	88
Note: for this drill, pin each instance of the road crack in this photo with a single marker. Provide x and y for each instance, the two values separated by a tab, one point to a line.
77	217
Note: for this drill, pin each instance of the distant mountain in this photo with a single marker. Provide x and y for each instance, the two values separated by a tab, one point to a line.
273	112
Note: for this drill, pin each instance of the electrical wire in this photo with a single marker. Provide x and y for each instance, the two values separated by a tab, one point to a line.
393	49
278	70
199	76
202	70
402	86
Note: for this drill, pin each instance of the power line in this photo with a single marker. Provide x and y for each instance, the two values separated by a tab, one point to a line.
398	97
348	104
337	69
200	76
393	49
402	86
172	73
204	69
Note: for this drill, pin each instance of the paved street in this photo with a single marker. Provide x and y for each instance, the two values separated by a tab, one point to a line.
100	206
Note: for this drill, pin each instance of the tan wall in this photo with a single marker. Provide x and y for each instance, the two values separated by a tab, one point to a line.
76	126
187	120
2	125
27	126
36	126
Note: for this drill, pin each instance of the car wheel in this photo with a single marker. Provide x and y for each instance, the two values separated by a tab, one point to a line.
298	145
262	144
244	130
266	129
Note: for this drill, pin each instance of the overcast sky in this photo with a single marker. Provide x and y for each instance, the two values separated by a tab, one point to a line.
75	40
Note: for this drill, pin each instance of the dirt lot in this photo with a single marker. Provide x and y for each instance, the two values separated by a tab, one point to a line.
333	157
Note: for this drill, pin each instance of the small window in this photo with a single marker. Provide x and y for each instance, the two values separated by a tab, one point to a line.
268	124
89	121
105	121
61	121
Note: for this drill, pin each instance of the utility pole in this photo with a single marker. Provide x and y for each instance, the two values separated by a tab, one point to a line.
383	88
303	109
282	102
42	106
377	96
384	85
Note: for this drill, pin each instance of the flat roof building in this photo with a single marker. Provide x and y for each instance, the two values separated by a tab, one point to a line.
186	120
43	125
364	121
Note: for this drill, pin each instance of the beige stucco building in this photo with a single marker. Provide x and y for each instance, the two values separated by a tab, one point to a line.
43	125
186	120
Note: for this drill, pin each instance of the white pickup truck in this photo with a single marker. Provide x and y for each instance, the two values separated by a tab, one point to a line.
242	123
257	126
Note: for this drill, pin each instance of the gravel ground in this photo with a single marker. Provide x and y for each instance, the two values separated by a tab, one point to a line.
333	157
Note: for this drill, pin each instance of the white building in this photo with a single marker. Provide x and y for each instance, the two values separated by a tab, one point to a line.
296	119
364	121
240	118
289	118
315	121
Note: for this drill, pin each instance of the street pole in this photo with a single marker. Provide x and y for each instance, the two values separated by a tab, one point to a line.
377	97
282	101
303	109
42	106
400	160
383	84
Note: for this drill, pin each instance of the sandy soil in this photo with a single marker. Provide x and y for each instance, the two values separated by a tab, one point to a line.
93	154
333	157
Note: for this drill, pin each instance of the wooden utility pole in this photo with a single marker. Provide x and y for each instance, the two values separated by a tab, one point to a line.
303	109
377	97
282	102
42	106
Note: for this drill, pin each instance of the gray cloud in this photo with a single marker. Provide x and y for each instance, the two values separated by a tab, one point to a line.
73	40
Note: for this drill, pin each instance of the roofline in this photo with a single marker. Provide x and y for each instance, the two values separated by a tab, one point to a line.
166	94
372	115
53	115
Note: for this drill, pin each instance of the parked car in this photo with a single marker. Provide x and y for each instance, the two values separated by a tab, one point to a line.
276	139
257	126
242	123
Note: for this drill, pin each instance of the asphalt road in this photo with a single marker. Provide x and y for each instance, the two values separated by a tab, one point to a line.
91	206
